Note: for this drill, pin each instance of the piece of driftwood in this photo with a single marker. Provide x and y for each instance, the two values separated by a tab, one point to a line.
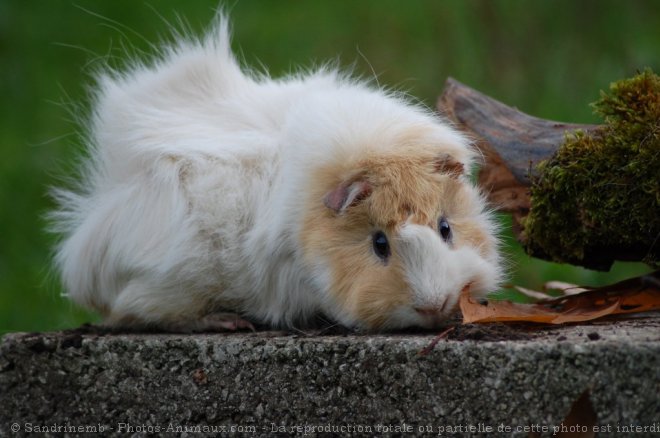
512	143
522	141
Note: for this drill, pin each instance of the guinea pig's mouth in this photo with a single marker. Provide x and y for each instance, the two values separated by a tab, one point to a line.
422	317
431	316
437	314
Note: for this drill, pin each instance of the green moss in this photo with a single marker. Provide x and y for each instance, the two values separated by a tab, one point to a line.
598	198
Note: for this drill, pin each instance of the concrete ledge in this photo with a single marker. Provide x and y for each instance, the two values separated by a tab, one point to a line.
257	382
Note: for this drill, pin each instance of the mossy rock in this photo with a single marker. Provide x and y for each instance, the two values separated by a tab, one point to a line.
598	198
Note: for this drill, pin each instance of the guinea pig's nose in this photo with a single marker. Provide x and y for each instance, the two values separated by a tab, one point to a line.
431	316
427	311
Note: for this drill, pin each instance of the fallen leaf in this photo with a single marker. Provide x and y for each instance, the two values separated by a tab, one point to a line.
580	420
639	294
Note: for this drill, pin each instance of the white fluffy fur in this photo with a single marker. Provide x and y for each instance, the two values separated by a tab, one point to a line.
192	198
437	285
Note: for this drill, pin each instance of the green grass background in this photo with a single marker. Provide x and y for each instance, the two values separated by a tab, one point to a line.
548	58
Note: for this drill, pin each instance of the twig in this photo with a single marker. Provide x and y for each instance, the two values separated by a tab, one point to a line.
434	342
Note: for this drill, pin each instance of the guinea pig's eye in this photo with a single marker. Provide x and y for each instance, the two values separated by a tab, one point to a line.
444	229
381	245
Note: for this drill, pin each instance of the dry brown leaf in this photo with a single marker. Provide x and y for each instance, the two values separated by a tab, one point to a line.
580	421
639	294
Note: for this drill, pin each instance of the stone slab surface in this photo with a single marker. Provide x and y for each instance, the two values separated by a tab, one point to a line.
253	384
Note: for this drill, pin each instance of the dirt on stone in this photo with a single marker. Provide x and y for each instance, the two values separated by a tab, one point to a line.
459	332
489	332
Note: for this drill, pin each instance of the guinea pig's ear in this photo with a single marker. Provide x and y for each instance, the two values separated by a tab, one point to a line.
445	163
347	195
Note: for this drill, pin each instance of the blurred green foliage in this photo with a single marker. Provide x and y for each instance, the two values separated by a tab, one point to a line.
548	58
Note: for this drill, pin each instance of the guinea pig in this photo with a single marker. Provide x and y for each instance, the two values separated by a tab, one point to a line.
214	197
